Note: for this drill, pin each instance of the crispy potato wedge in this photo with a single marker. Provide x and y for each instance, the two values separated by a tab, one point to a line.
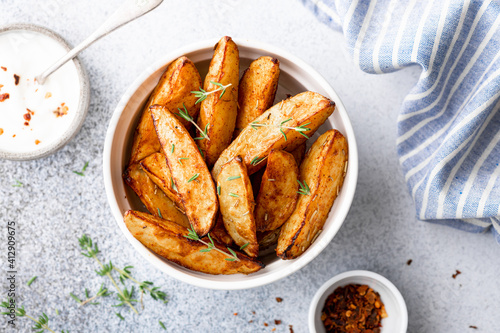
299	152
273	130
323	170
219	232
153	197
168	240
173	90
189	177
237	205
268	240
218	111
278	191
155	166
257	90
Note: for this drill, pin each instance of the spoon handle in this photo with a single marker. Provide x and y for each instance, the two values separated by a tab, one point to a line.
127	12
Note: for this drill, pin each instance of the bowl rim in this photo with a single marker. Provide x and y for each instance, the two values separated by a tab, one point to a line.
83	103
315	306
296	264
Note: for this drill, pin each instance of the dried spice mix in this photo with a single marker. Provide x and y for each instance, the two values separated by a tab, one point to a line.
354	308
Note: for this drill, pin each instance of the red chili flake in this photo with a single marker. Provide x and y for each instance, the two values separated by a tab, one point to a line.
61	110
251	321
266	324
353	308
30	112
4	68
1	131
409	262
26	123
472	326
3	97
27	116
236	313
277	322
457	272
279	299
291	328
37	142
14	136
1	86
16	79
253	312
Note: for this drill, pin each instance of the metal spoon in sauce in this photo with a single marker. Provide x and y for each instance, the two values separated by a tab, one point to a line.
126	13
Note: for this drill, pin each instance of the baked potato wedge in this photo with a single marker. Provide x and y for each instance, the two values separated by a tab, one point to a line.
237	205
256	91
173	90
189	173
268	239
219	232
299	153
285	126
218	111
278	191
321	175
155	166
168	240
156	202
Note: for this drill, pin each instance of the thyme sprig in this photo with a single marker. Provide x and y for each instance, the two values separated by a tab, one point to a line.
204	134
256	160
41	324
103	292
301	129
81	173
211	245
203	94
17	184
184	114
304	188
182	158
172	184
124	296
30	281
196	175
144	286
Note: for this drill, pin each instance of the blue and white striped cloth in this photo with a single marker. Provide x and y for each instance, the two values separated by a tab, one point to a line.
449	125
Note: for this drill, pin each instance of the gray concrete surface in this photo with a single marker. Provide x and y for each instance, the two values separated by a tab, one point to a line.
56	206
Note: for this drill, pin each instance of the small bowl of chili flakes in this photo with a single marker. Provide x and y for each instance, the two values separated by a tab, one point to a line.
358	302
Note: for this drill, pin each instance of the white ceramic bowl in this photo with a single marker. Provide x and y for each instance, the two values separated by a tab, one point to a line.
395	306
83	102
296	76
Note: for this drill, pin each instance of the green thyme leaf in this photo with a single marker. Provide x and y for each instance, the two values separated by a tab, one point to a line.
31	280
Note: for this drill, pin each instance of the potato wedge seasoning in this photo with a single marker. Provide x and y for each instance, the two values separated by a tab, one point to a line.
278	191
189	173
321	177
168	240
155	200
218	110
155	166
285	126
256	91
237	205
174	91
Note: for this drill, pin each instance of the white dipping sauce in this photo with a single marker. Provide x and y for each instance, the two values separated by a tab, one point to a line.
34	116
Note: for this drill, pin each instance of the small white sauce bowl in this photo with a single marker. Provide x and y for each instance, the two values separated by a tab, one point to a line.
395	306
83	103
296	76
